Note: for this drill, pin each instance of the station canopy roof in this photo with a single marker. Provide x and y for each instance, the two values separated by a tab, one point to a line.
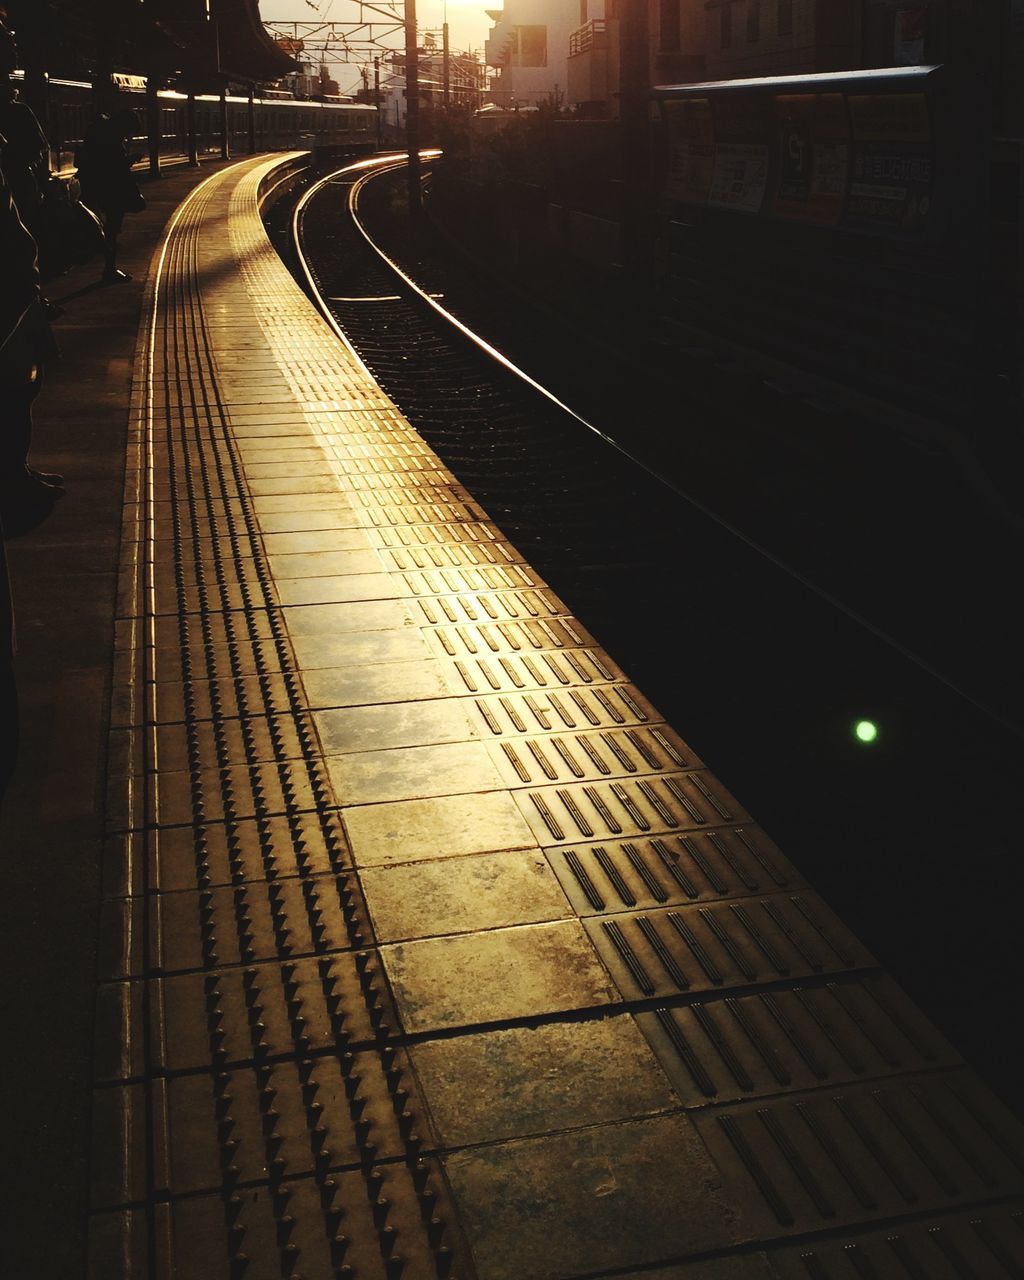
247	50
231	43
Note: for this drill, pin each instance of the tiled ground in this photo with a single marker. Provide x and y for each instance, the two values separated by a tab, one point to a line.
437	950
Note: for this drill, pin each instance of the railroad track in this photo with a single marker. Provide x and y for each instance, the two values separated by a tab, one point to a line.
764	673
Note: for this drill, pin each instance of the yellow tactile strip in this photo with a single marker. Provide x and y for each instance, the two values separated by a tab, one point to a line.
395	817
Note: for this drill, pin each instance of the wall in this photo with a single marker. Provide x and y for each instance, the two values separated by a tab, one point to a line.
532	86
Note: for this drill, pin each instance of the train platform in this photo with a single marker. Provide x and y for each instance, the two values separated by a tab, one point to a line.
424	945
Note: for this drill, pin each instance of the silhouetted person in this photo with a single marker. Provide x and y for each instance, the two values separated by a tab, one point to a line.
108	184
18	292
26	494
26	152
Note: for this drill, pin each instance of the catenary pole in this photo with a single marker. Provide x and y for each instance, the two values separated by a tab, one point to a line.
412	107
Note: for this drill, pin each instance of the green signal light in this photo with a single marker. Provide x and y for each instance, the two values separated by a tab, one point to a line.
865	731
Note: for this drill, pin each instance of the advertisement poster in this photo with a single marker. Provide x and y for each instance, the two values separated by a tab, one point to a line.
910	31
742	131
813	150
691	150
892	163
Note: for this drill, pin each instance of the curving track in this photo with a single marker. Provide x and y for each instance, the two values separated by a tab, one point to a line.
766	672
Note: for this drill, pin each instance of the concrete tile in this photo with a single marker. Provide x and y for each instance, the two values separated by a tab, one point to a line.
376	682
340	517
248	426
325	564
339	590
521	1081
262	449
460	895
358	615
315	542
447	827
312	464
288	485
524	972
392	724
360	648
592	1200
412	773
330	500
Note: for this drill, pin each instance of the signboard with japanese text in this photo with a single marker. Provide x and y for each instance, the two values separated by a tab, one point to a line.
892	164
691	150
854	152
813	156
909	35
739	180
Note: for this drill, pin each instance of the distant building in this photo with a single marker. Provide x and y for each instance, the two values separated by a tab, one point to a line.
529	47
311	81
726	39
465	83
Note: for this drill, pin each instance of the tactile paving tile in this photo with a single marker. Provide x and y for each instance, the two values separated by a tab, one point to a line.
197	700
387	1225
721	1049
726	862
630	807
422	513
258	739
472	533
523	635
240	791
877	1150
986	1244
247	850
484	606
446	555
574	757
545	671
247	922
295	1116
723	945
265	1011
514	714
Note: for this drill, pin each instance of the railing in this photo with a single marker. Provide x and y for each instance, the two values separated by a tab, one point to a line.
582	39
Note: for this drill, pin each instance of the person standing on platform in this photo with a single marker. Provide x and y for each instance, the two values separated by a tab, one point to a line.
26	152
19	292
26	339
26	343
107	181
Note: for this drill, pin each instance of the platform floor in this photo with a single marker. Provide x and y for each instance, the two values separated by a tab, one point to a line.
428	947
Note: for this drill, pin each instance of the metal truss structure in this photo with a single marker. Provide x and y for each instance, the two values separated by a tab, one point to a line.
380	28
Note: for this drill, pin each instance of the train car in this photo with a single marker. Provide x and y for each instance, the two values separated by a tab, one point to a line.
281	123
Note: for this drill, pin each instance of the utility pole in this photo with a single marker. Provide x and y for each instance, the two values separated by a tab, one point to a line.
634	97
191	134
153	125
412	108
225	137
376	98
447	67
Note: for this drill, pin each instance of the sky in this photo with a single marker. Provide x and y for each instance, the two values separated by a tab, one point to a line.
468	23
